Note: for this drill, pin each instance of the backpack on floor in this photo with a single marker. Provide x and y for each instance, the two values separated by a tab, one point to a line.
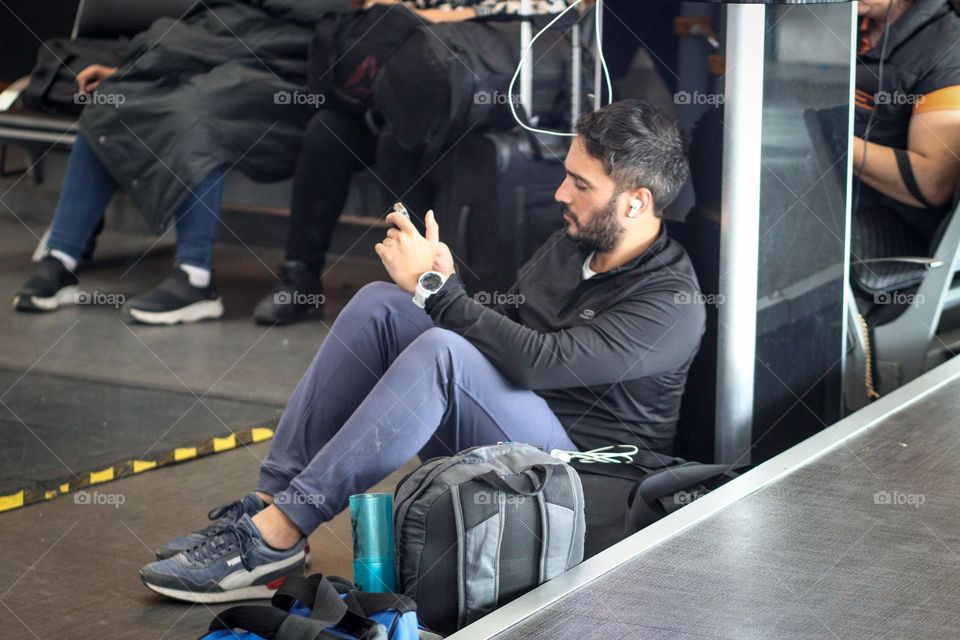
478	529
317	608
626	490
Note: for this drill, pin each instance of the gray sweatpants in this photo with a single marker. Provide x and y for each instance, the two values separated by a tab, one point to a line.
386	385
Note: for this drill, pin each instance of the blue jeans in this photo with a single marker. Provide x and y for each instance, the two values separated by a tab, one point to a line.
386	385
88	188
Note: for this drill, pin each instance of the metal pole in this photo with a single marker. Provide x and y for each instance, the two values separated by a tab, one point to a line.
739	231
526	69
597	67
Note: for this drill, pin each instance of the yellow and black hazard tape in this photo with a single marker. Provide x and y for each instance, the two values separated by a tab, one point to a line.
41	492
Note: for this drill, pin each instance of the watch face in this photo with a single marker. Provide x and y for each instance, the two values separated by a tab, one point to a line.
431	281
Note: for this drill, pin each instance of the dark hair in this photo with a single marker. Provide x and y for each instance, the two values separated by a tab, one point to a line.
640	146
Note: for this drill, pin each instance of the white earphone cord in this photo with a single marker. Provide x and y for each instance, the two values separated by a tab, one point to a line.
603	65
603	454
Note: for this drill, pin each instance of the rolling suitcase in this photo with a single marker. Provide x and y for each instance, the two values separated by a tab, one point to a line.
495	205
495	191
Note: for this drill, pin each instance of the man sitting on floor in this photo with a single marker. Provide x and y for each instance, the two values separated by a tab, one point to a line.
592	349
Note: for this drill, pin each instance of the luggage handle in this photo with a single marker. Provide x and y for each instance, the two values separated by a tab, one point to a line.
509	484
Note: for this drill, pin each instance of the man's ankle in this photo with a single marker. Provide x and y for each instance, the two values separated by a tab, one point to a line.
276	529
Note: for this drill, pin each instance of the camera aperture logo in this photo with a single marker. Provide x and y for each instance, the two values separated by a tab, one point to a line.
896	498
299	298
697	97
492	497
114	100
488	298
312	499
300	98
496	97
709	299
97	498
115	300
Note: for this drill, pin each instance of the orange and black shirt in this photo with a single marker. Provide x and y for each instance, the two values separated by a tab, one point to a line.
921	72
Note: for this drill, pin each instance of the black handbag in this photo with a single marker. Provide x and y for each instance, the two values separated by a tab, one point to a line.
623	498
449	79
53	85
349	49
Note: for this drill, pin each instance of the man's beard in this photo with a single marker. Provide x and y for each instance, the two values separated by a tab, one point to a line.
601	233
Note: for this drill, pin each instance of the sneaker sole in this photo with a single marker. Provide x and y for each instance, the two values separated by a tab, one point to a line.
203	310
65	296
262	592
293	565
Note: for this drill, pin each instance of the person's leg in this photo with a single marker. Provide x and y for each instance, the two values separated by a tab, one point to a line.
367	336
335	146
188	294
84	196
197	222
86	192
440	396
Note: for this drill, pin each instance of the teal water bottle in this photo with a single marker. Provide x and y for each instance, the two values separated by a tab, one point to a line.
371	523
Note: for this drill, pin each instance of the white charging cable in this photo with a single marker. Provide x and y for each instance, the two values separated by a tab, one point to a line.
603	454
603	64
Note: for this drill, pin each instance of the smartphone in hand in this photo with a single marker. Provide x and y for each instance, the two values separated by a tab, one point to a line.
401	209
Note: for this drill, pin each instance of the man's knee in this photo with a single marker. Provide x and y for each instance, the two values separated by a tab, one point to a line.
442	344
375	298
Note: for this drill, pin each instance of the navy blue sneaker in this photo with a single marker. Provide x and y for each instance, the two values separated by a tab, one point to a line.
223	516
233	564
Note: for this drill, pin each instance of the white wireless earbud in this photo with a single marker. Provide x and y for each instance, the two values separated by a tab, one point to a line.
635	205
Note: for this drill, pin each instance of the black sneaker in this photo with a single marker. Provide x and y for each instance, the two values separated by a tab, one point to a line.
297	294
176	300
50	286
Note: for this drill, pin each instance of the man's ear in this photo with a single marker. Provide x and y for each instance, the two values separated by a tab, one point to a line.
639	201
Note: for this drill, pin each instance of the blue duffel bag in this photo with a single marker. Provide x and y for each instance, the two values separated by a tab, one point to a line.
317	608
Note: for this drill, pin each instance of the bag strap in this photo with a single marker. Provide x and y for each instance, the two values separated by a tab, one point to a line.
371	603
510	484
664	483
263	621
314	591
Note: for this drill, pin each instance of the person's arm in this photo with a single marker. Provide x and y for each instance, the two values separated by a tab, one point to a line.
91	77
637	338
933	148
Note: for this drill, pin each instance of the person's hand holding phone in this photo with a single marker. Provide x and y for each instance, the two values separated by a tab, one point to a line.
406	254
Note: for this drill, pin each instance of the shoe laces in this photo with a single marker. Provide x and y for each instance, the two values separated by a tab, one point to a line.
233	511
227	540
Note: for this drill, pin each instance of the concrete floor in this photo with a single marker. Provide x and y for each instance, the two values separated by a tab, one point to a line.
70	570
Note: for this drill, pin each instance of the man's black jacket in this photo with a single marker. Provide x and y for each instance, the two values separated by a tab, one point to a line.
609	354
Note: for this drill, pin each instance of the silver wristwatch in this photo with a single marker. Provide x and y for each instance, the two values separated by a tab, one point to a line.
428	284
